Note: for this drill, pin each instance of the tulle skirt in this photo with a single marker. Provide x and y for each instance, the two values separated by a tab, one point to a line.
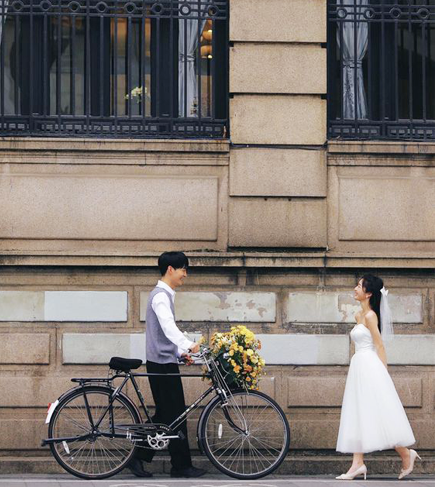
372	416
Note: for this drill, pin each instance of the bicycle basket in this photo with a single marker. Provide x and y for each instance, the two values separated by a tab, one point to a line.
225	369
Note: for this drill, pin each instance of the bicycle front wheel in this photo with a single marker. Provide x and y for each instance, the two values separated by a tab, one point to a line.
93	452
248	438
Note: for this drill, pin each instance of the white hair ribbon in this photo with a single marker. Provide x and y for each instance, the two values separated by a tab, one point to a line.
386	318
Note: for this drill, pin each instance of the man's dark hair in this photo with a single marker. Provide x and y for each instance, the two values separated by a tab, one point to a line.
177	260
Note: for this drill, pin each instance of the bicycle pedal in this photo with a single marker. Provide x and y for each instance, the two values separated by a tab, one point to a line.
181	435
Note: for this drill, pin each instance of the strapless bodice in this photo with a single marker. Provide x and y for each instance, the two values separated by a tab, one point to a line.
362	338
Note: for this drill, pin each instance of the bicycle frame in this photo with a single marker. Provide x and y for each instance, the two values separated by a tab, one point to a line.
218	386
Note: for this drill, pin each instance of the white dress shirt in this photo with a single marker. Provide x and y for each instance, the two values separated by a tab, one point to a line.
162	308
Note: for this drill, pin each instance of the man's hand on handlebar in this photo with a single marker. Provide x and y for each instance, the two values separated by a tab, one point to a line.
187	359
194	348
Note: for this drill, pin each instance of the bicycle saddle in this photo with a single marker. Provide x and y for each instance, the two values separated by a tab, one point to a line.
124	364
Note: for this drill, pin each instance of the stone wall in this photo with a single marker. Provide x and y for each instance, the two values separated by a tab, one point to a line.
278	124
58	324
277	221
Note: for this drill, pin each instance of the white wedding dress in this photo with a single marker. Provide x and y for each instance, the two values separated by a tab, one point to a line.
372	416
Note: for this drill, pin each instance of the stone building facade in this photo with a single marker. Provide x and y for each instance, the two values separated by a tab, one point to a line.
278	223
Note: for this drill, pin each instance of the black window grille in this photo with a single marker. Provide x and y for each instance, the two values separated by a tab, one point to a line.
115	68
381	69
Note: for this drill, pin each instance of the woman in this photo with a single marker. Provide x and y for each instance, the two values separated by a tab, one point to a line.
372	416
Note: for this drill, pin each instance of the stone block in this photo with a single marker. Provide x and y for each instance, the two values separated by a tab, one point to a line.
23	433
21	306
85	306
277	172
321	307
423	431
220	306
291	68
278	119
32	391
25	348
277	222
410	391
330	307
315	391
406	308
315	433
289	349
98	348
402	202
278	21
226	307
81	205
411	350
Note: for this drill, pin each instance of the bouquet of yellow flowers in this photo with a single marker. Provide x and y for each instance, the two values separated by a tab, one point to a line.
237	352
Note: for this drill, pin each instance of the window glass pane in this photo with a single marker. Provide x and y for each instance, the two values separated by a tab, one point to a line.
114	67
10	57
381	68
206	57
130	67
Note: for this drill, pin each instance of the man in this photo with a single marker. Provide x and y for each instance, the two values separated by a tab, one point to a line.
165	343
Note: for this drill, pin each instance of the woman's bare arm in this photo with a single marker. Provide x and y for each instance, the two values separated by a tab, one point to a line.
372	325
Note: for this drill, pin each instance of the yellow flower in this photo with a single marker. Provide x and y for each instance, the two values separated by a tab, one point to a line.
237	369
231	353
249	352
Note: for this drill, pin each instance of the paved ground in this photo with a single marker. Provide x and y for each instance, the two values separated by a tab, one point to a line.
210	481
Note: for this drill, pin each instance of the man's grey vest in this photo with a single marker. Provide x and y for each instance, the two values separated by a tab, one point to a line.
159	349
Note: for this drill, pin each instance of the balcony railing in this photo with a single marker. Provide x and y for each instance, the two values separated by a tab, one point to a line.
381	69
115	68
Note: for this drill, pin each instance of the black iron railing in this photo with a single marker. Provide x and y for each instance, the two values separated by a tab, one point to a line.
381	69
115	68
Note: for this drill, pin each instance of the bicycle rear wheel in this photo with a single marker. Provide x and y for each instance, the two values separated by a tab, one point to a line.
246	439
107	450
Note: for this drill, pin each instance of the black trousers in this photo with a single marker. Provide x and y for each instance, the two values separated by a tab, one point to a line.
168	397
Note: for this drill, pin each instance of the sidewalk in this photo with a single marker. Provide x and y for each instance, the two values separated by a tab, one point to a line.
127	480
295	464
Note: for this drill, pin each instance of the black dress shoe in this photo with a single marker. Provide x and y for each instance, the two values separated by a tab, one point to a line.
190	472
137	469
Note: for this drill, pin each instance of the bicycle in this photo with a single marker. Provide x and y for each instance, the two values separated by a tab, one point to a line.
94	428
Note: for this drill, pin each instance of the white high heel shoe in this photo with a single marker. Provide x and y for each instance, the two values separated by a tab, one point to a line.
350	476
413	455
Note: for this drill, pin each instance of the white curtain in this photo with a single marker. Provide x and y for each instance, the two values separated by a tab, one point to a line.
354	33
190	30
4	10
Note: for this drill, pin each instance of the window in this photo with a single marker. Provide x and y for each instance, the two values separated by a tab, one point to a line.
126	68
381	69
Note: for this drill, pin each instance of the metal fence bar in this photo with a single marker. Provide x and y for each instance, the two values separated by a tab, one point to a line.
76	46
397	56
